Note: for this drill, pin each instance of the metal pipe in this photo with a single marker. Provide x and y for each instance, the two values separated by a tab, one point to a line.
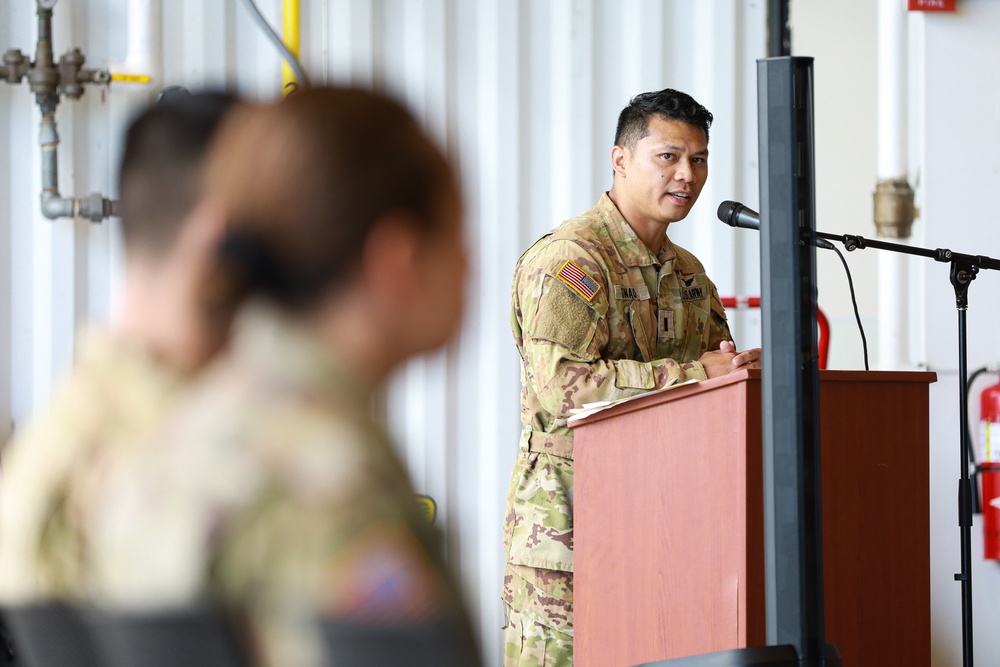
15	66
290	25
141	67
47	81
48	139
43	77
891	205
94	207
273	37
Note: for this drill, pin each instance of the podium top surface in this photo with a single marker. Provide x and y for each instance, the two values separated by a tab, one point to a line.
679	392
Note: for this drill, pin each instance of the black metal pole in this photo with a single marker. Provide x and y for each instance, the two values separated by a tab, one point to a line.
964	268
779	35
973	262
961	276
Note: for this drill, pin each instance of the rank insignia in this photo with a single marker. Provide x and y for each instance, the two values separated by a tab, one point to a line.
666	325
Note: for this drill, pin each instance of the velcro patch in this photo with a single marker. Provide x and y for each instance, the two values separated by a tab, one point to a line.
623	293
579	282
563	318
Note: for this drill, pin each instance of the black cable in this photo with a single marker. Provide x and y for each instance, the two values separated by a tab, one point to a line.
290	58
822	243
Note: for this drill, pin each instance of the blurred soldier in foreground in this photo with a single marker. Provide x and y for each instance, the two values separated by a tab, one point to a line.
605	306
272	489
125	378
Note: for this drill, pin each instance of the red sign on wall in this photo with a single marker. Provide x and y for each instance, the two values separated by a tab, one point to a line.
931	5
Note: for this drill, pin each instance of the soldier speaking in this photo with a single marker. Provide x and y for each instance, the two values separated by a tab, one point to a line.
604	306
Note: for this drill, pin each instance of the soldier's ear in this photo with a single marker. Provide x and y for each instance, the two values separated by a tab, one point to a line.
618	160
389	261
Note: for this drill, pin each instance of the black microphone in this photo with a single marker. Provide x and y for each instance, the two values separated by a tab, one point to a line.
736	214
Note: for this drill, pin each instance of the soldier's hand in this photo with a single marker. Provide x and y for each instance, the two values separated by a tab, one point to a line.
727	360
748	359
719	362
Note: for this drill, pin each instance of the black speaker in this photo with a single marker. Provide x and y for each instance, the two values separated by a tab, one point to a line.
793	553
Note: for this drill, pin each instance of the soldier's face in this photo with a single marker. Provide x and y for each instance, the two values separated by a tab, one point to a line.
443	272
665	173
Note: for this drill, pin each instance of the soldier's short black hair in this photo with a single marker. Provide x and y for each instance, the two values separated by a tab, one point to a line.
633	121
159	179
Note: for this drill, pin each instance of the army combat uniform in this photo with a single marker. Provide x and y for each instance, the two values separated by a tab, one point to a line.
115	396
273	491
596	316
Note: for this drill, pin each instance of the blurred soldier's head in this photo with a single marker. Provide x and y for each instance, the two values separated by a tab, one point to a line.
160	178
660	157
338	203
170	233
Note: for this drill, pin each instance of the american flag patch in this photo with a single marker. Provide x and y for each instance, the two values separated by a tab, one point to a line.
579	282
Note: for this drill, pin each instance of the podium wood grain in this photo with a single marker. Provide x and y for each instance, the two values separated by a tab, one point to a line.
669	521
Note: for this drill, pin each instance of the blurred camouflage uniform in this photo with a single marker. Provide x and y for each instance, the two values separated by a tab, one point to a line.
115	396
596	316
273	491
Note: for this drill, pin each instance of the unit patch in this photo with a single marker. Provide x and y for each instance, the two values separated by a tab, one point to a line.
623	293
578	281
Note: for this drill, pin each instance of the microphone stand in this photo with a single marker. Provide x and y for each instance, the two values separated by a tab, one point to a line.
963	271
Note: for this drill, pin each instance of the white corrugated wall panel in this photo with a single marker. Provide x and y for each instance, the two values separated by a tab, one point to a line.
523	95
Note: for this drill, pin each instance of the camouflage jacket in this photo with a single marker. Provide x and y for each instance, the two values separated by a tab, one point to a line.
272	489
596	316
115	396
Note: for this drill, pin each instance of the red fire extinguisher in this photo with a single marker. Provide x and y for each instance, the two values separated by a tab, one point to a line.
989	469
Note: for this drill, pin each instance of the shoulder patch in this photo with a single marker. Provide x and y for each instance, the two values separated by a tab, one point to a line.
563	318
578	280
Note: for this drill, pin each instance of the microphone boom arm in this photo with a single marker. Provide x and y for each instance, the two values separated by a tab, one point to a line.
854	242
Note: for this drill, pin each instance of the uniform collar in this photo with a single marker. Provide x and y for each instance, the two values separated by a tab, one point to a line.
289	354
630	247
104	348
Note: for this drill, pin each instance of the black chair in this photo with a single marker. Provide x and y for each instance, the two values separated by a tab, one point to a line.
7	652
446	642
50	634
755	656
190	637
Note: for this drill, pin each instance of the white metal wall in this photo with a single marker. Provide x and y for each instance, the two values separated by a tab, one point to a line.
955	172
524	95
957	97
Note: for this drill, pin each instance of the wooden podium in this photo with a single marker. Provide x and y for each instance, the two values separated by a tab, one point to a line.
668	521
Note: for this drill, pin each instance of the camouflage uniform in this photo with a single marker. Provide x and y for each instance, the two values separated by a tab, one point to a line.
596	316
272	490
115	396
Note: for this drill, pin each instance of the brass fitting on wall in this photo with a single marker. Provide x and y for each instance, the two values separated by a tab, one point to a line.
894	210
48	80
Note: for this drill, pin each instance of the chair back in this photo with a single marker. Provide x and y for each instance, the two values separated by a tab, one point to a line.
195	637
446	642
49	634
784	655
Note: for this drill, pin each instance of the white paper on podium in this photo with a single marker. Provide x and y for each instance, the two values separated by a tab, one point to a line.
593	408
